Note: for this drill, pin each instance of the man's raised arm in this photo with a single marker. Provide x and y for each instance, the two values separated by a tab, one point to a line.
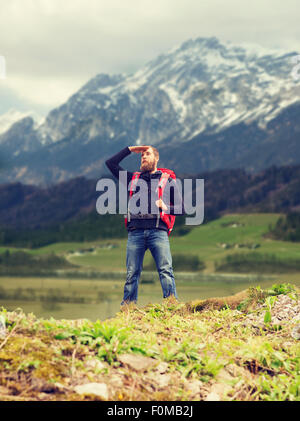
113	162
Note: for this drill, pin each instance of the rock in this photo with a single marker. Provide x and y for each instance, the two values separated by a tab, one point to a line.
94	364
276	321
41	385
236	371
225	375
284	310
116	381
296	332
61	386
2	327
212	397
162	367
163	380
220	389
4	390
136	362
97	389
43	396
194	386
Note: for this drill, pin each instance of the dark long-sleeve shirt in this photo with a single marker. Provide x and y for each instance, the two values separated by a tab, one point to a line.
170	194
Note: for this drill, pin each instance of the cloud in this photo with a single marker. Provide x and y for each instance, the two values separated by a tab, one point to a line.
52	47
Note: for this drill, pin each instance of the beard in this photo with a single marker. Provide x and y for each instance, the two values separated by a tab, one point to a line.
148	166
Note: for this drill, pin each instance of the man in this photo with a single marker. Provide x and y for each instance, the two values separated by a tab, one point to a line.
148	230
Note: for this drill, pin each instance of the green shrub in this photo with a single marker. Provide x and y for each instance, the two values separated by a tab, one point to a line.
256	262
287	228
20	262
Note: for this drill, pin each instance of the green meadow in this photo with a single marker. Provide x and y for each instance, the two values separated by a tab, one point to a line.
204	241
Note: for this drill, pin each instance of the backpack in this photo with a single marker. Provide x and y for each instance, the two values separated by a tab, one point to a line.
169	220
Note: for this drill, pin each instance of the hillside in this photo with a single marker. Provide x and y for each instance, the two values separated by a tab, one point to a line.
239	348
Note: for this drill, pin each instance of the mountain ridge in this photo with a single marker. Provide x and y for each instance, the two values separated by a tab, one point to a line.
195	92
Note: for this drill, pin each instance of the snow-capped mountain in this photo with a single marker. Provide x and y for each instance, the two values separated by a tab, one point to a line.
12	116
201	85
18	133
200	88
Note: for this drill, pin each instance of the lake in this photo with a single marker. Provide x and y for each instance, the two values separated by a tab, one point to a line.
100	299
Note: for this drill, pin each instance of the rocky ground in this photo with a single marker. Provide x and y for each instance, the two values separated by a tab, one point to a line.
205	350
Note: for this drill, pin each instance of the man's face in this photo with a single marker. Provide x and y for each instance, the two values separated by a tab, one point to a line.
148	160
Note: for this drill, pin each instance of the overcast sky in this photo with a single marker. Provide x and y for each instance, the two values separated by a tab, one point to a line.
52	47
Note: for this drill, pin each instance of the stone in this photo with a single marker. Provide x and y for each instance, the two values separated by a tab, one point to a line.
234	371
116	381
212	397
94	364
137	362
61	386
296	332
284	310
194	386
4	390
163	380
43	396
162	367
98	389
225	375
2	327
220	389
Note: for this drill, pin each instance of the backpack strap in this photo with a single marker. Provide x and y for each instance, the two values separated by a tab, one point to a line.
168	171
134	180
160	190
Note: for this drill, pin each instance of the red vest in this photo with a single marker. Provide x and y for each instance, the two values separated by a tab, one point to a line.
169	220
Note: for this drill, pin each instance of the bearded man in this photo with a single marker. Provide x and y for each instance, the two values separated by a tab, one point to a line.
147	229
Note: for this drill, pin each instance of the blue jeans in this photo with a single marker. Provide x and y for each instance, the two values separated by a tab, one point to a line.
139	240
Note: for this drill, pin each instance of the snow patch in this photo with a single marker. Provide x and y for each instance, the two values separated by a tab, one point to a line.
12	116
176	100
